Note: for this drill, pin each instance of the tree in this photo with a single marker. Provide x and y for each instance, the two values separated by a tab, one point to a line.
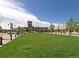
19	29
51	28
70	25
1	29
77	27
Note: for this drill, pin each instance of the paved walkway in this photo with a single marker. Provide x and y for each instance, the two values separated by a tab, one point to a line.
73	34
6	41
6	38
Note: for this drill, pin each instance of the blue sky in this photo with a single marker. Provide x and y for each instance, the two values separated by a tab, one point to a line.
58	10
40	12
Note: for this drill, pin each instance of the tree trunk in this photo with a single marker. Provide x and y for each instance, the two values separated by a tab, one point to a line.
70	33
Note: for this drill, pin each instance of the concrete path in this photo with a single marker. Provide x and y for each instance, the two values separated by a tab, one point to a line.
6	41
6	38
73	34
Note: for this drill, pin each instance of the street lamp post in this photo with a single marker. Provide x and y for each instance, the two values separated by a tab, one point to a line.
38	28
51	27
1	43
11	27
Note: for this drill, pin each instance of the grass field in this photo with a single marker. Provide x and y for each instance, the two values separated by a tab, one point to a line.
41	45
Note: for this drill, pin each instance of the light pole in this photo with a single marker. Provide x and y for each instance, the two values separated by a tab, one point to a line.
1	19
38	28
51	27
11	27
58	28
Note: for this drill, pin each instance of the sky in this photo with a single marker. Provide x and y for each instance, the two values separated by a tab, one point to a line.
58	10
40	12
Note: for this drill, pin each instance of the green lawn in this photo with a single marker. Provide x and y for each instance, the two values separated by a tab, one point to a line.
41	45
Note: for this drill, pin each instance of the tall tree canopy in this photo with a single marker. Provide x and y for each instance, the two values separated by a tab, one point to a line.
71	24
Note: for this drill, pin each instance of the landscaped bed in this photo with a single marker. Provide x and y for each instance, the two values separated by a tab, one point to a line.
41	45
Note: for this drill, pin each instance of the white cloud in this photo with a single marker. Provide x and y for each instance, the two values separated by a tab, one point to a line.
12	12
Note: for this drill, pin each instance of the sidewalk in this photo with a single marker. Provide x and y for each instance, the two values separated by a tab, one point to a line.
73	34
6	38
